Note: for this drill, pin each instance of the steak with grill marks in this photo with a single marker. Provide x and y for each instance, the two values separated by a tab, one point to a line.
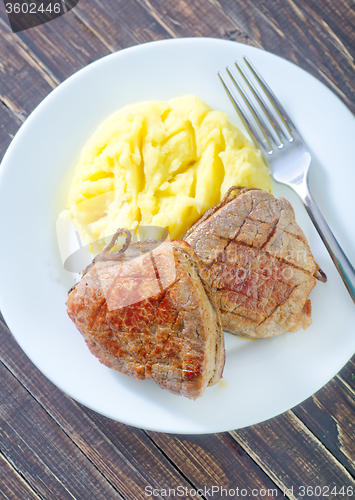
149	312
260	265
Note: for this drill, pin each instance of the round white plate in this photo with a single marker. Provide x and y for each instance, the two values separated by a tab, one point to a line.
262	378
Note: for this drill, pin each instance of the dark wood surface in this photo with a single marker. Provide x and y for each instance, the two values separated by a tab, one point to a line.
52	447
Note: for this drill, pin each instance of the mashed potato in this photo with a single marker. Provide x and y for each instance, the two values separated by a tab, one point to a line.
160	164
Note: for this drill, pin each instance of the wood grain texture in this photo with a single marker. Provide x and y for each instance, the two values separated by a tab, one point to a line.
21	70
40	449
12	485
198	18
120	23
297	31
291	455
215	460
8	37
9	123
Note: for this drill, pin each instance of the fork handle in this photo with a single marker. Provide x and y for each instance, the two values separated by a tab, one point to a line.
342	263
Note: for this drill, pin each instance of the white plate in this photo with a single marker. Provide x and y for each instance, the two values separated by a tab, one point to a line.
262	378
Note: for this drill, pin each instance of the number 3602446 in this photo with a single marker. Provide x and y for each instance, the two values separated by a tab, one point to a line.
32	8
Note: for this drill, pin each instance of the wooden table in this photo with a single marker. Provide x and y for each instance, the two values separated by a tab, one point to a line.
52	447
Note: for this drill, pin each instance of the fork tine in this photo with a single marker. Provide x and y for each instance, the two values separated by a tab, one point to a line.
273	99
273	123
257	117
258	141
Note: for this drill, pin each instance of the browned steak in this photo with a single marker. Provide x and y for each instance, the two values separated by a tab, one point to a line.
259	262
150	313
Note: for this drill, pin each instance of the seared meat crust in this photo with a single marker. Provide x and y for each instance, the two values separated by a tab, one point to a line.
259	263
150	313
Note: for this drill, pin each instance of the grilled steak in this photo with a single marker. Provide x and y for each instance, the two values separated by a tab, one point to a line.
149	312
259	262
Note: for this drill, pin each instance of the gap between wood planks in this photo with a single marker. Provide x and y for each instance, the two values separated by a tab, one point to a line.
16	479
62	429
175	464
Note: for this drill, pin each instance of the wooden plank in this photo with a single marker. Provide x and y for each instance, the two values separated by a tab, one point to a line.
9	124
64	45
12	485
329	415
296	31
126	458
216	460
183	16
39	448
293	457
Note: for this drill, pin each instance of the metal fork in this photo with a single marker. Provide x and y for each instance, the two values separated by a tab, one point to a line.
285	151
